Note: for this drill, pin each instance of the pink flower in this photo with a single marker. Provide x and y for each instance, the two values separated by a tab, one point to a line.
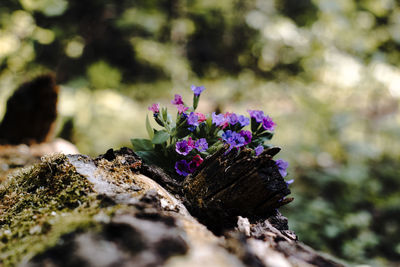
195	162
201	117
155	108
177	100
181	108
191	142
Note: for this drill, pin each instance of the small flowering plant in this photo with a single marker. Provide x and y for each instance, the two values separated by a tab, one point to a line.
180	146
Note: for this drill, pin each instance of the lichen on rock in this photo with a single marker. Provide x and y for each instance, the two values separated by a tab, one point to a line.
66	207
76	211
40	203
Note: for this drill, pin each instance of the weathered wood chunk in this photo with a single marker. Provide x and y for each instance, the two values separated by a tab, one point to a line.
233	184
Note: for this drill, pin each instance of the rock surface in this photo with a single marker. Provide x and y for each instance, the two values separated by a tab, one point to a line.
17	156
77	211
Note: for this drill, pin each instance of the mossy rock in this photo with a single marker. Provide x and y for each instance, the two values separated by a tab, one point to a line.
43	203
39	204
76	211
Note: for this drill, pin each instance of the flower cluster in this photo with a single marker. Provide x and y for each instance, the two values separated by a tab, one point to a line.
184	167
224	120
185	146
185	142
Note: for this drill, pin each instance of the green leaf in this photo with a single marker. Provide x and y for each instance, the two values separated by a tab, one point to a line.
142	144
195	101
254	125
158	120
215	147
203	130
256	142
164	114
150	157
209	122
266	135
182	132
150	131
160	137
156	158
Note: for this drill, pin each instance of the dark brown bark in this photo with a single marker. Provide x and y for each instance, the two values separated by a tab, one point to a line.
234	184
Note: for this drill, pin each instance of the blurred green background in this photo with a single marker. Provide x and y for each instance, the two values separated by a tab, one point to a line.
326	71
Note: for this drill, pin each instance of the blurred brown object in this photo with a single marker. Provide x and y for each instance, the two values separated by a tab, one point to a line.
27	127
31	112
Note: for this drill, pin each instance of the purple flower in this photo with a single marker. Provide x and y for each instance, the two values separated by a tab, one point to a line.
259	150
289	182
246	135
197	89
182	147
244	121
233	139
240	141
228	136
192	166
201	145
232	118
181	108
268	124
282	166
155	108
193	119
258	115
177	100
183	116
218	120
182	167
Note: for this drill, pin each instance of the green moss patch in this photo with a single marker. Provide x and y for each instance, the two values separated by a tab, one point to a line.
39	204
